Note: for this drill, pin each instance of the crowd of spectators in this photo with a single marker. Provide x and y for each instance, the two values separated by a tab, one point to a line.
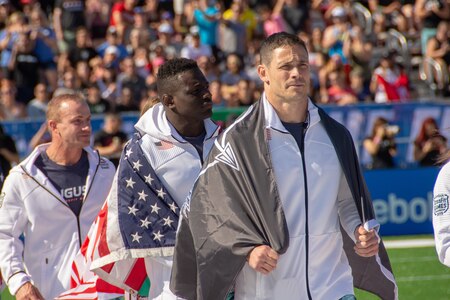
111	50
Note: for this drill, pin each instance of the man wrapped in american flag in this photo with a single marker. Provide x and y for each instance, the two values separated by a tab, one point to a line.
134	235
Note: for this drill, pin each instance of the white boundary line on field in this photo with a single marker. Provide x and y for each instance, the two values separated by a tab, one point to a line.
423	278
409	243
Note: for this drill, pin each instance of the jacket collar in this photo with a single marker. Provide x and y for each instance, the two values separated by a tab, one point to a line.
154	122
28	162
274	122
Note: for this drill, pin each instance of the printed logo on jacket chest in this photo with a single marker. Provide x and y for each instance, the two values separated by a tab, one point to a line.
440	204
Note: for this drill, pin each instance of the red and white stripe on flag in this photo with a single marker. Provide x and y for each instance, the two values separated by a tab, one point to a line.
84	283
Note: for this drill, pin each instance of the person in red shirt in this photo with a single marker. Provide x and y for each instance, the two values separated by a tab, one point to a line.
339	92
122	15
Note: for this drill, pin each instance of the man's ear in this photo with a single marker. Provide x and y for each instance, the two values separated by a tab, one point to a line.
167	100
51	124
262	73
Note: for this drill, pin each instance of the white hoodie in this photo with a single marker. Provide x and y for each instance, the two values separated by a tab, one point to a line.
177	164
32	206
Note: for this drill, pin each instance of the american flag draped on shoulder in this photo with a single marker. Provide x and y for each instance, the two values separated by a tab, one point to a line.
139	220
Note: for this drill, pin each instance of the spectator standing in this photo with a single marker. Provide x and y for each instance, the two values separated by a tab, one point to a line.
207	16
381	144
272	20
24	67
110	139
358	51
428	14
125	102
122	16
233	73
68	15
5	12
389	82
429	144
129	78
296	15
335	34
83	51
10	108
37	108
97	105
207	67
112	39
46	45
240	12
69	84
438	48
8	37
71	181
194	49
233	31
165	33
339	92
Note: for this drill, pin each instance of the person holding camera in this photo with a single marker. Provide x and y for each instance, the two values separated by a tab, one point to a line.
381	144
429	144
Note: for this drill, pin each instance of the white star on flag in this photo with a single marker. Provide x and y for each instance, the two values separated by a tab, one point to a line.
161	193
130	182
168	221
158	236
136	237
173	207
128	153
142	196
132	209
145	223
137	165
155	208
149	179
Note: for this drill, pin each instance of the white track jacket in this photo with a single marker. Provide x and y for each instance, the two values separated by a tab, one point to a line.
322	270
177	165
441	215
32	206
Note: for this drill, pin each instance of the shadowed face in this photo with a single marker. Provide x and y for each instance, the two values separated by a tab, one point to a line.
192	100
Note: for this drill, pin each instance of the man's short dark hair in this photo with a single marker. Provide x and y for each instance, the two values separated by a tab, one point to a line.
169	71
278	40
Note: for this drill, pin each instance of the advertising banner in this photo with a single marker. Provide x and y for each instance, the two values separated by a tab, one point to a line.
403	199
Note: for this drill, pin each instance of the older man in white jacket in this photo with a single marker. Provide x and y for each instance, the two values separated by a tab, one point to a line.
51	198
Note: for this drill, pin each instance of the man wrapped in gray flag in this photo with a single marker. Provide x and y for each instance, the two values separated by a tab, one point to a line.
280	209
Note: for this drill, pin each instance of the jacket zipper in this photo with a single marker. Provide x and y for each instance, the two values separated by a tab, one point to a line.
65	203
302	151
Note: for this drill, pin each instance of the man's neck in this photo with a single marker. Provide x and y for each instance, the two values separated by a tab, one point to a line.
290	112
64	156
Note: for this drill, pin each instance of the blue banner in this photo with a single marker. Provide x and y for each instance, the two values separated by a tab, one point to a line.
403	199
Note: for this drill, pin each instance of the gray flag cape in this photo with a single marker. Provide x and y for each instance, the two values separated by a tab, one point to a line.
235	206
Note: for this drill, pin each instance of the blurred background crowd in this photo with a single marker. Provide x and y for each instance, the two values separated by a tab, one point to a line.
369	51
360	51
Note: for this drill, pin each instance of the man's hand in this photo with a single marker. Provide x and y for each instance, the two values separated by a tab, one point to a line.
263	259
28	292
366	242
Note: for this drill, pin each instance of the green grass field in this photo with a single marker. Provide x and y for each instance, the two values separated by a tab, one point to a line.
418	272
419	275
